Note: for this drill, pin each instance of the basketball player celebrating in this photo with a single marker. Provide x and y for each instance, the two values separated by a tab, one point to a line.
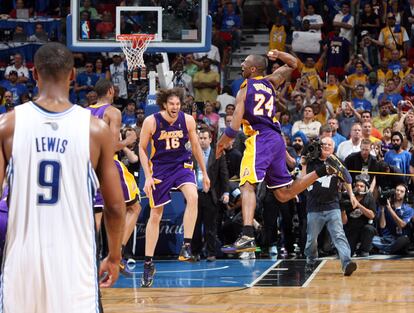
169	167
265	154
104	110
52	149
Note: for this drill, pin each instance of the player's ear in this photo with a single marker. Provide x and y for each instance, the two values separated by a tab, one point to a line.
35	74
73	74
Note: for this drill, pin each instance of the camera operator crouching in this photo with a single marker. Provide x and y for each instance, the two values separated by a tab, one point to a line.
394	222
358	221
322	202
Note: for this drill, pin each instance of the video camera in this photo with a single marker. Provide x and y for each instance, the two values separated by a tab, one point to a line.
384	195
312	150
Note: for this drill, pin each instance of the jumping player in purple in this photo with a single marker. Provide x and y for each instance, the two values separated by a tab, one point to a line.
265	154
104	110
169	167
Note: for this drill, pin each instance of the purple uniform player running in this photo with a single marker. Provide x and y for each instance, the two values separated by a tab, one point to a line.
265	154
169	167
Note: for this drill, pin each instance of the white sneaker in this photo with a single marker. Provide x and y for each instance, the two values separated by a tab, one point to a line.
247	255
273	250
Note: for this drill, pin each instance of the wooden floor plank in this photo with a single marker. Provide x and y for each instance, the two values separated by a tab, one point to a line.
377	286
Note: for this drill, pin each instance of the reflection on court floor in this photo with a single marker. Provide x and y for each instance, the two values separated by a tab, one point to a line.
222	273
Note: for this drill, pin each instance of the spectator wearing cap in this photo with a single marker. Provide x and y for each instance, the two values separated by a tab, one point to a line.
307	125
368	49
393	37
359	102
345	21
17	89
397	156
373	89
22	71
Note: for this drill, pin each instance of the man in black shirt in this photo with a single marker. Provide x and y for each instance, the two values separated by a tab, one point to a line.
362	160
323	209
358	220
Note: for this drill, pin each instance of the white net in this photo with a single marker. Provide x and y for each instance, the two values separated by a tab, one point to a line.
134	47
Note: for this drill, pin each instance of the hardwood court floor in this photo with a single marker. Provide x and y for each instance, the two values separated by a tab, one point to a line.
377	286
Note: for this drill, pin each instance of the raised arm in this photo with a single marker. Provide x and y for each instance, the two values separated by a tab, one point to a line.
234	128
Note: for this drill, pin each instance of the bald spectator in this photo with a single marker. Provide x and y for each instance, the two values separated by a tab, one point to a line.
307	125
352	145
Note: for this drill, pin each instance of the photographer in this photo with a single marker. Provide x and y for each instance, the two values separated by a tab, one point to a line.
323	209
358	221
394	218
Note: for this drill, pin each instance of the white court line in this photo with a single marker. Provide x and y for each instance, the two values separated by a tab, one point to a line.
263	274
187	271
307	282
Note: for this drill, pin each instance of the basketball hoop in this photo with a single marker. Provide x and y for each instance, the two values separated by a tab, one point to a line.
134	46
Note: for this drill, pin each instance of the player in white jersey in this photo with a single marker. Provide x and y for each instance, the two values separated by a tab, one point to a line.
51	150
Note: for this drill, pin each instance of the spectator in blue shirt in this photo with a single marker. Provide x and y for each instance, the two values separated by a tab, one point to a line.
85	81
397	156
231	23
359	102
394	223
390	93
129	117
14	87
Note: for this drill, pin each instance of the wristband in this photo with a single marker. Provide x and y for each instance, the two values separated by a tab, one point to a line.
230	132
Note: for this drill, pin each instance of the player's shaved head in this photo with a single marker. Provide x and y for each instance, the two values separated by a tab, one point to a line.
53	61
259	61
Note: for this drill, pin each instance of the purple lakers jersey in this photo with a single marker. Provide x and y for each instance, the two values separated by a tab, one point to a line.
98	110
259	107
169	142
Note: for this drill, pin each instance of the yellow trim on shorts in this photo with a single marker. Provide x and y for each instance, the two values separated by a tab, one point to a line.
248	163
151	198
131	184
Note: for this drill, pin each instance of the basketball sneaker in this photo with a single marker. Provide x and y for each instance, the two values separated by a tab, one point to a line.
186	255
242	244
148	275
335	166
350	268
124	270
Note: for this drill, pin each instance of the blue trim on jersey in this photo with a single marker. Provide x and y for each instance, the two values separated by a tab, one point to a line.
92	187
49	113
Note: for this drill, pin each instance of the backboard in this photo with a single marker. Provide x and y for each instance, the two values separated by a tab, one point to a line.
178	25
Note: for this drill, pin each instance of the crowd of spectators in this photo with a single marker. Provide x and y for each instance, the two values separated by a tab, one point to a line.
358	88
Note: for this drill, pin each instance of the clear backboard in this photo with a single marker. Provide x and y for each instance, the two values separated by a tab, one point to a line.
178	25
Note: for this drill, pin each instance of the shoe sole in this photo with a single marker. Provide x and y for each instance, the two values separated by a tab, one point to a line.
231	250
184	259
350	269
150	284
